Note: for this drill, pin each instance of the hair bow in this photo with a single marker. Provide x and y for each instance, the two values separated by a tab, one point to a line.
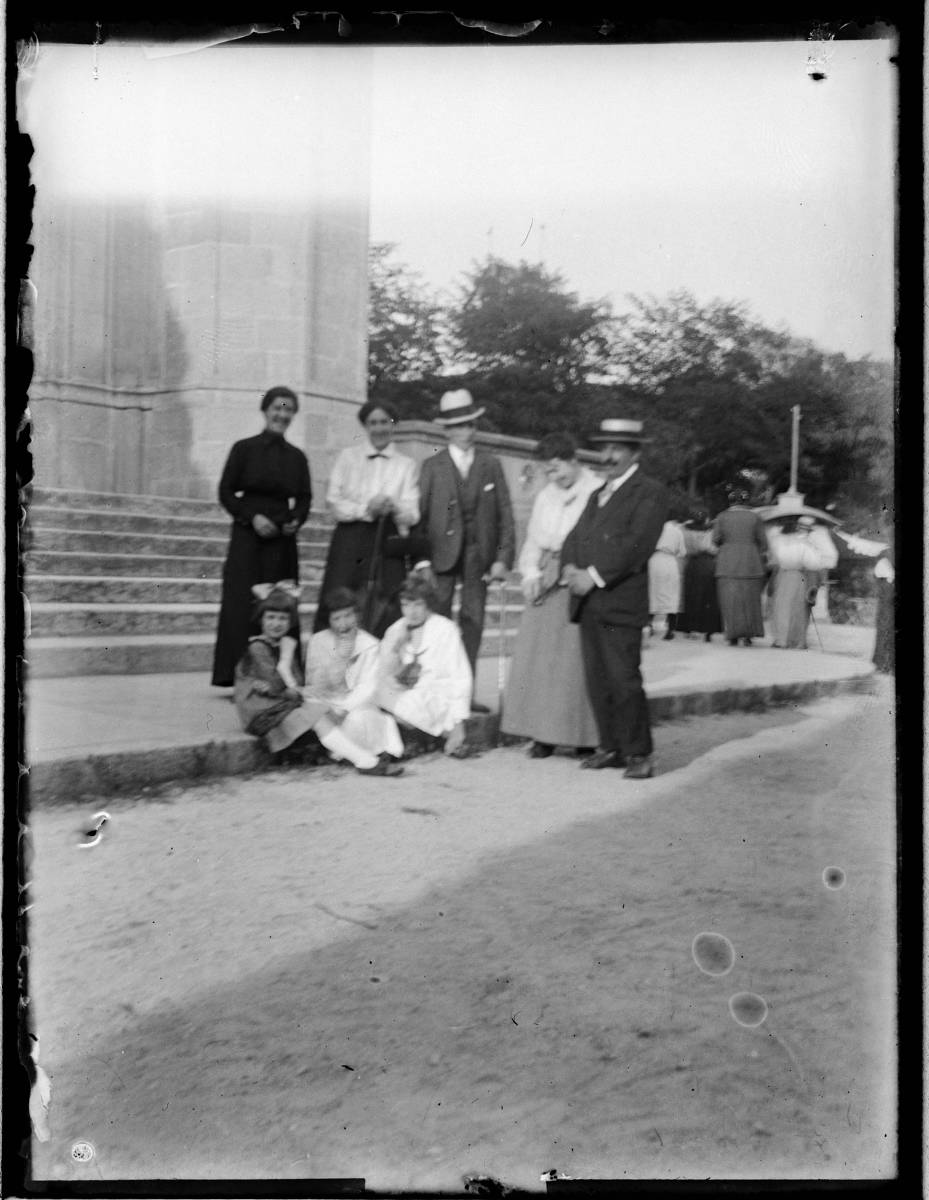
261	591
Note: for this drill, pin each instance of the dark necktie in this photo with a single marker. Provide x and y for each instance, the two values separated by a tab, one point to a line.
377	455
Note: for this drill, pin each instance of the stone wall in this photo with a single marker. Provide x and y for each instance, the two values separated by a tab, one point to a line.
159	324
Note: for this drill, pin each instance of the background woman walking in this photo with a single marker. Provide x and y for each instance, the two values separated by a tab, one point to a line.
700	612
740	536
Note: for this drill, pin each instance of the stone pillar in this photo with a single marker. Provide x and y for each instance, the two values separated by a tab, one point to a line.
100	332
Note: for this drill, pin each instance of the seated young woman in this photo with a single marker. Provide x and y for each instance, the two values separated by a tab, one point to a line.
268	682
342	672
425	677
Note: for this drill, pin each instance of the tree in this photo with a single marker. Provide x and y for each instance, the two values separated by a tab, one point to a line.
523	316
404	324
529	346
725	385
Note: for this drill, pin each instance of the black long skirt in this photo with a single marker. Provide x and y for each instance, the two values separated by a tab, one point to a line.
249	560
348	564
701	602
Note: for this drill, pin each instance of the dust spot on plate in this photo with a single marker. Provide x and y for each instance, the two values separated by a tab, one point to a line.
713	953
748	1008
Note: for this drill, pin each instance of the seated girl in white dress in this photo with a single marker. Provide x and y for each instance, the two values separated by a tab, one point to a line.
425	677
342	671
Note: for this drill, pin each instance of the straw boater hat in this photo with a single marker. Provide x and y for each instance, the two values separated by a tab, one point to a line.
616	429
455	407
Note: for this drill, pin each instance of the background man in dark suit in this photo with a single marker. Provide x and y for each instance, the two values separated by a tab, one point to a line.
467	517
605	566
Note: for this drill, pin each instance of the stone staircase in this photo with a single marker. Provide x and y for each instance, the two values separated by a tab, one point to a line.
123	584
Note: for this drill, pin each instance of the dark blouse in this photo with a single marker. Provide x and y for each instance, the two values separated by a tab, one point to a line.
268	472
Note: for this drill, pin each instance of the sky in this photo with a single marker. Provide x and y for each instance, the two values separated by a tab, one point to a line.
723	169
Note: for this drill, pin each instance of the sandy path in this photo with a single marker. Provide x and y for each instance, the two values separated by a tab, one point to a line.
501	951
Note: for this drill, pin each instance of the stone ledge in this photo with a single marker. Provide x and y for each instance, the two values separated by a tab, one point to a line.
93	778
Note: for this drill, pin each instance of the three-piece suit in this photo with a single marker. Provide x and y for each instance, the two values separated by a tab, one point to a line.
469	525
617	539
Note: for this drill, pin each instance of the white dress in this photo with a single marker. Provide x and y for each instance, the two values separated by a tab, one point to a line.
798	564
441	696
665	569
343	672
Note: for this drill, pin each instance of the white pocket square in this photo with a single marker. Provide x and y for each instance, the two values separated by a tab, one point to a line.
488	487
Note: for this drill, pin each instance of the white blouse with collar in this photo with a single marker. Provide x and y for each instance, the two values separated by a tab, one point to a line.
554	514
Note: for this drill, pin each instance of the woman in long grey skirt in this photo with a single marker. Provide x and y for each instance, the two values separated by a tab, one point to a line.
739	533
546	693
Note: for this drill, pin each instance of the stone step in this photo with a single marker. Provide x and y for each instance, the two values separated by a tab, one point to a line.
57	619
215	524
138	589
87	541
73	562
64	498
62	657
47	587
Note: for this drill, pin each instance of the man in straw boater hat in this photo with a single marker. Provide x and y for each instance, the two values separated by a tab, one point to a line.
605	567
467	518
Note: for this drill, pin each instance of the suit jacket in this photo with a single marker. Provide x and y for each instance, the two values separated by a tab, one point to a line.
442	521
743	544
618	540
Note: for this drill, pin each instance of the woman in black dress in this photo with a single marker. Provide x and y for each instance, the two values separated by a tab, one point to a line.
265	487
701	605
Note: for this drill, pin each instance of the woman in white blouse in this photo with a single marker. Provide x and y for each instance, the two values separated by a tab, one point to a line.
798	563
425	678
546	692
373	494
342	670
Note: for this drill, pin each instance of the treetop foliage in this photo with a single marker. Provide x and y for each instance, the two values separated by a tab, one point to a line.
715	385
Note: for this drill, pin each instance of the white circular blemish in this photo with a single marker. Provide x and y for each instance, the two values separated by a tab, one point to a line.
713	953
748	1008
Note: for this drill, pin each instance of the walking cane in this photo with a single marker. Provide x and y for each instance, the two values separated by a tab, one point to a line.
501	648
816	627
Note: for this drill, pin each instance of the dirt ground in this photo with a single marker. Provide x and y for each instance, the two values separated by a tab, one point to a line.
485	967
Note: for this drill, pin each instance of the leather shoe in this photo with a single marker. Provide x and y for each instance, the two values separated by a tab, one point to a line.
479	708
383	766
541	750
640	767
601	759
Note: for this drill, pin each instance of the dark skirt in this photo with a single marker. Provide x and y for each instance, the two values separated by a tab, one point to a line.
249	560
348	564
740	605
700	613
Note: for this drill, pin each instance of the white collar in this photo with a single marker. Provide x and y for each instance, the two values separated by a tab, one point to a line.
613	484
460	456
370	451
